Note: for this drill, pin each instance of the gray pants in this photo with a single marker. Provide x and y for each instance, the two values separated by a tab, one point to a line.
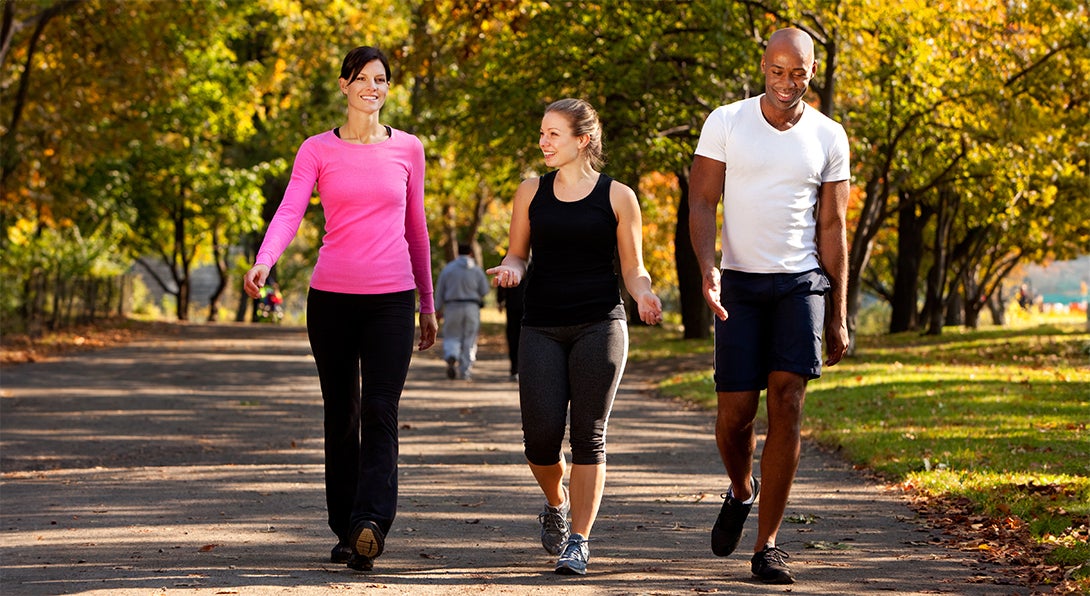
578	364
461	326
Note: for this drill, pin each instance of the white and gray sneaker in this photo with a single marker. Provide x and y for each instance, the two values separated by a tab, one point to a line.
573	561
554	525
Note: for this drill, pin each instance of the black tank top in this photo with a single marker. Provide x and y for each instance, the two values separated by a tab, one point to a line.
571	279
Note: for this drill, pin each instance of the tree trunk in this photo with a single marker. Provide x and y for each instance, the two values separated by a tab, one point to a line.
870	221
997	306
219	258
696	317
936	281
904	315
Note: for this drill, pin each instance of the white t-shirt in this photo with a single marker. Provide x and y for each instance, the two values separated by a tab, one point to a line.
771	185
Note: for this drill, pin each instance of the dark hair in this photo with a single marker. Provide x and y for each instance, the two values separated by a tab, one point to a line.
360	57
584	121
465	248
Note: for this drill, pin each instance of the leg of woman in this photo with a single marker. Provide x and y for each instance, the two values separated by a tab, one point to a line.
596	363
544	406
333	331
386	350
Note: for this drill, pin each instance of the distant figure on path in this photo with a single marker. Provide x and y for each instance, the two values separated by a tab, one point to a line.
574	341
360	308
459	295
781	168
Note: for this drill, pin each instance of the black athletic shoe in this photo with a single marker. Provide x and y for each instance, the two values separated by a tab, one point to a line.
451	371
340	553
727	531
367	540
770	566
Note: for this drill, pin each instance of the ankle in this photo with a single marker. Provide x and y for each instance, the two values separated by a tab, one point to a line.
750	498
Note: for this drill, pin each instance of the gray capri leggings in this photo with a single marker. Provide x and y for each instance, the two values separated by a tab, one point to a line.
577	364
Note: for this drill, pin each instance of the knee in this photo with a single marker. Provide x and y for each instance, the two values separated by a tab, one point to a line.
540	454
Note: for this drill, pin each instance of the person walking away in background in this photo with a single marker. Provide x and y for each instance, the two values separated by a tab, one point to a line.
459	296
510	300
781	168
572	222
360	307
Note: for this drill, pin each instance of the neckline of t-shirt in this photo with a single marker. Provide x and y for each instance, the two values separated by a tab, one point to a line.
760	114
389	136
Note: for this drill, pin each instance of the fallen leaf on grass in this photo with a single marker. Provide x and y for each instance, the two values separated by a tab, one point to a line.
207	547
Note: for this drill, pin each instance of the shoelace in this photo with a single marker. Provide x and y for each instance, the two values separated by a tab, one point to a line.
773	554
551	520
575	550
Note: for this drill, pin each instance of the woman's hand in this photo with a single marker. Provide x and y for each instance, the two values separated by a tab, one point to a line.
254	280
650	308
429	329
505	276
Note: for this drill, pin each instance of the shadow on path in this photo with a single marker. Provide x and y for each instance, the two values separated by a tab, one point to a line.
191	462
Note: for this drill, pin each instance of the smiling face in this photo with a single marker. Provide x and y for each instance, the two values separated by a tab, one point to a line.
367	91
557	142
788	65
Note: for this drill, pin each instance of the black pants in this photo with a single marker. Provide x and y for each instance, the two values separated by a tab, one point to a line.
578	366
362	346
513	329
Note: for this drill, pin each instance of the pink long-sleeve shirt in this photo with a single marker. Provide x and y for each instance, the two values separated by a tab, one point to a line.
376	235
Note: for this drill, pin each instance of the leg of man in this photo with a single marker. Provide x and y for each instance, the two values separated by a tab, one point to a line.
780	455
453	331
736	439
470	332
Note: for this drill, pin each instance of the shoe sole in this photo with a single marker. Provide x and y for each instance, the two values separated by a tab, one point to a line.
778	580
565	570
368	541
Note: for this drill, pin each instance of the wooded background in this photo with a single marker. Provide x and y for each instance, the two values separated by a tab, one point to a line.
158	136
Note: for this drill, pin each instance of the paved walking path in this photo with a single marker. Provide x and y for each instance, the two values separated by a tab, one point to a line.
191	463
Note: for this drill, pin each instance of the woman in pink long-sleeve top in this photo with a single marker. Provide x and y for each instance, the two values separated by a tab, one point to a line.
375	255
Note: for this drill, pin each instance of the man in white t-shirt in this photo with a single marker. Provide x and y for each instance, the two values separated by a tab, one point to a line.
781	168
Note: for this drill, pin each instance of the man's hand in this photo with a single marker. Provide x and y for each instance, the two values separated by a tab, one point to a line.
836	340
712	291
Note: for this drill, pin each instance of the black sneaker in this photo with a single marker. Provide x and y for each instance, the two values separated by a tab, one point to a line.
367	540
451	363
341	553
727	531
770	566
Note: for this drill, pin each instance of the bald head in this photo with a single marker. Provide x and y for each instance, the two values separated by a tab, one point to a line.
794	41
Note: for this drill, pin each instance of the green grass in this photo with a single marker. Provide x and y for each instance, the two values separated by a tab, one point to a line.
997	416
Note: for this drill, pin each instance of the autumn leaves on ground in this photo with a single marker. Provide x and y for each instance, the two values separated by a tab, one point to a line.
985	431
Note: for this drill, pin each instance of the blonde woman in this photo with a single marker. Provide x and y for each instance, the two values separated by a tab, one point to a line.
573	221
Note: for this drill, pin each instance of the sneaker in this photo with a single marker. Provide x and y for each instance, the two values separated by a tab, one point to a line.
367	540
727	531
573	561
452	362
554	525
340	553
770	566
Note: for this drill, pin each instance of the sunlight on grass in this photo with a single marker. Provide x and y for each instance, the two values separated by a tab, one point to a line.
997	416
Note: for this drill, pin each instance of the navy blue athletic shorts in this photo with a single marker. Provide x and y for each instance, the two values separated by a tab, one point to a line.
774	321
